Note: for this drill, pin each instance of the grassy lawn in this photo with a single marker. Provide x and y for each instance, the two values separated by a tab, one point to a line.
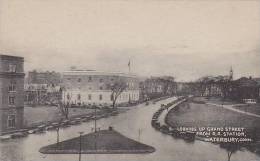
202	115
215	100
195	115
198	114
35	115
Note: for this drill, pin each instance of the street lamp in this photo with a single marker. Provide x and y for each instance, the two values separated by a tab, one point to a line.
80	134
58	133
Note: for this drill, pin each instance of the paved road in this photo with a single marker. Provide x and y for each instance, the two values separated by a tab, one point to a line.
163	115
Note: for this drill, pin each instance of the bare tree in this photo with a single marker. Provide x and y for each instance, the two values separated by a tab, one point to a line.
231	148
225	86
64	109
169	85
117	88
64	106
202	85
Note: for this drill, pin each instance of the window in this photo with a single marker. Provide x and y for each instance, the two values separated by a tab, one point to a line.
11	121
101	88
100	97
90	79
68	96
11	100
12	86
101	80
79	97
12	68
79	80
89	97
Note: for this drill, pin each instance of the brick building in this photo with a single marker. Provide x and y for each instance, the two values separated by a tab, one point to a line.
50	78
11	93
155	87
92	87
41	94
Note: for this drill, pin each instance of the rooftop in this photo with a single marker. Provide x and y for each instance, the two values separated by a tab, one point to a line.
10	57
94	72
101	142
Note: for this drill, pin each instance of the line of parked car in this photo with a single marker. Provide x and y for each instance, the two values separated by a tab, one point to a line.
166	129
55	125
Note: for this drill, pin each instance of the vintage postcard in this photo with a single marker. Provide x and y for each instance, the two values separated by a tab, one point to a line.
129	80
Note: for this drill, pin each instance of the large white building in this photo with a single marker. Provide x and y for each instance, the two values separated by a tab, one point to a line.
85	87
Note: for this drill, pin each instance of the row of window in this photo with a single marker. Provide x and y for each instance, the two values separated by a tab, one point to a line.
89	88
89	97
90	79
124	96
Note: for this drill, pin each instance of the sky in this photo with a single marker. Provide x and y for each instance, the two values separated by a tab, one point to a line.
185	39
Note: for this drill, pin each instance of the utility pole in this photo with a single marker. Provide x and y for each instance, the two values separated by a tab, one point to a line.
95	130
58	136
80	134
139	134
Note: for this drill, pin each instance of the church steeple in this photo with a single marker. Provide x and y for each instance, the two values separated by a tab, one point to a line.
231	73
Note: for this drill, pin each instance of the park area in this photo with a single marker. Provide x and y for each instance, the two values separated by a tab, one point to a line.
195	113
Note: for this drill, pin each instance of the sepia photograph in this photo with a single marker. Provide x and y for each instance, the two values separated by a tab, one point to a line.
129	80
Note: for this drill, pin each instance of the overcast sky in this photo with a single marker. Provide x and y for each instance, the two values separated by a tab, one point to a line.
185	39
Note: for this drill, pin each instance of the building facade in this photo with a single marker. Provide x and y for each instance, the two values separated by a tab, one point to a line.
11	93
155	87
245	88
42	94
216	86
87	87
49	78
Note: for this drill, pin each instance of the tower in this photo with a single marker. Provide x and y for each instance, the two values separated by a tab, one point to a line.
11	93
231	73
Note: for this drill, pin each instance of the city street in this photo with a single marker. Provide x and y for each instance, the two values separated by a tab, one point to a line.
135	124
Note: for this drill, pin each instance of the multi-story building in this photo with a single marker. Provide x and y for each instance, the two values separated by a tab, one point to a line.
42	88
11	93
49	78
219	86
245	88
155	87
84	87
41	94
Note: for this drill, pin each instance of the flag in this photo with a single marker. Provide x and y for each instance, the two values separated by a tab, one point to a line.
129	64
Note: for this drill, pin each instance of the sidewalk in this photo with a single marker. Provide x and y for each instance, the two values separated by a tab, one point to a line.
230	107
